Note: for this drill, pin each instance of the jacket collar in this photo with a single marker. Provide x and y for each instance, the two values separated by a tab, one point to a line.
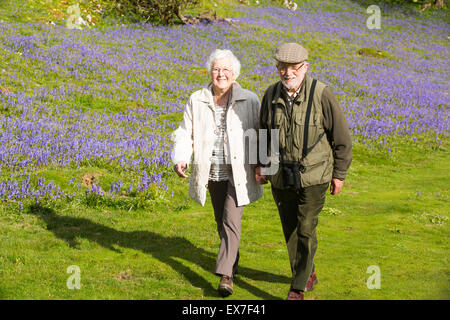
237	94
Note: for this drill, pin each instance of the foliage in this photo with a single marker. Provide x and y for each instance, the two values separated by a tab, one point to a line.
420	5
163	11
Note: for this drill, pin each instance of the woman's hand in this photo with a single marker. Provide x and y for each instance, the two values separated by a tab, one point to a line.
179	169
260	178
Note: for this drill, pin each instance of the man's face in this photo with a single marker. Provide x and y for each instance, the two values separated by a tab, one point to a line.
292	74
222	74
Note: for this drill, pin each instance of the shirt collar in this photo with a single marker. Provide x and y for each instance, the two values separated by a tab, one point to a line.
293	95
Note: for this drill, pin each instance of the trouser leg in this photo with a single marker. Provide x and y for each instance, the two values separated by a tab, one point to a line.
228	219
299	212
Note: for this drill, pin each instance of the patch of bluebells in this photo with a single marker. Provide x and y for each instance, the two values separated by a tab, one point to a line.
403	94
156	68
17	190
95	189
41	139
147	181
115	188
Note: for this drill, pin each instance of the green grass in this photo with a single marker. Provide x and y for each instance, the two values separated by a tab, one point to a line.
392	213
168	250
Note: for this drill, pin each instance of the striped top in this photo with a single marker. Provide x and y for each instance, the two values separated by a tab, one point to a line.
219	171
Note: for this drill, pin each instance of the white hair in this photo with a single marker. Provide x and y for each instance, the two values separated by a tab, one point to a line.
218	54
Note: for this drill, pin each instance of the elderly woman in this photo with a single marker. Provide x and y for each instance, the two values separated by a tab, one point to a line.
215	120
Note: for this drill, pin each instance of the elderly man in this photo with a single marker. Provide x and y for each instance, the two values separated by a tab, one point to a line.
314	148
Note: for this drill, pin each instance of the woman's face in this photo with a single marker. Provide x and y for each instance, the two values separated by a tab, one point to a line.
222	74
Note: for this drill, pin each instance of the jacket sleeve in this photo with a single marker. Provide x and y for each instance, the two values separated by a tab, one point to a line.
338	134
183	137
256	106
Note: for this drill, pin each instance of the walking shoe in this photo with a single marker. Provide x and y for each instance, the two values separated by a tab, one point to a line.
225	286
293	295
311	282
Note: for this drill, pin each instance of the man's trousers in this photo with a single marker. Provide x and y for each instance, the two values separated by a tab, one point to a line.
299	211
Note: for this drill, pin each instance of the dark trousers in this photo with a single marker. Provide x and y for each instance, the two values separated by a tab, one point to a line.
228	218
299	211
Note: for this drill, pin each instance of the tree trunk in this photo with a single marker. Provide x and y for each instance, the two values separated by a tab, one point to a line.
438	4
180	15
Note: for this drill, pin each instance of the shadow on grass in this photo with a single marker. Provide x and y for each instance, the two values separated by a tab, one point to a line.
165	249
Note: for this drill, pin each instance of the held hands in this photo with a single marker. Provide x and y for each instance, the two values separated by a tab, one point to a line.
179	169
260	179
336	186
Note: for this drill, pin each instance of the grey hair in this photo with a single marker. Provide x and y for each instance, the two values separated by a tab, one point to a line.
218	54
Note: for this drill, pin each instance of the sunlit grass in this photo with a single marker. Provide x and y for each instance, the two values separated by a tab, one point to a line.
118	91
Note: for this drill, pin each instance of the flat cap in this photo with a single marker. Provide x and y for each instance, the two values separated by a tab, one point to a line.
291	52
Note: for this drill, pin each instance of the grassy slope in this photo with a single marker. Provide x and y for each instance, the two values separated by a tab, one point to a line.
392	213
169	252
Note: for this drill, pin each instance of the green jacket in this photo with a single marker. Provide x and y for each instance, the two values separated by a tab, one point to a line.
328	133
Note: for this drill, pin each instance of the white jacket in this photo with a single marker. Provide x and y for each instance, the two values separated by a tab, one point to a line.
195	135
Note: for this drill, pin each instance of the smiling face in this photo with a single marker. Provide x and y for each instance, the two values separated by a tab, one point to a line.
222	75
292	74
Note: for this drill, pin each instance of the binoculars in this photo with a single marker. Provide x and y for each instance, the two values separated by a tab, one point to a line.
291	174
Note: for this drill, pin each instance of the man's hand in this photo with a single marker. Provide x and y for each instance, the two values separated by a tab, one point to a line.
179	169
260	178
336	186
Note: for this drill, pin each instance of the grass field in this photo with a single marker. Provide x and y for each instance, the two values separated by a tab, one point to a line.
392	214
86	181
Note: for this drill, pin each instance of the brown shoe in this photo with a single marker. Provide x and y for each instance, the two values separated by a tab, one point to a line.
225	286
311	282
295	295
